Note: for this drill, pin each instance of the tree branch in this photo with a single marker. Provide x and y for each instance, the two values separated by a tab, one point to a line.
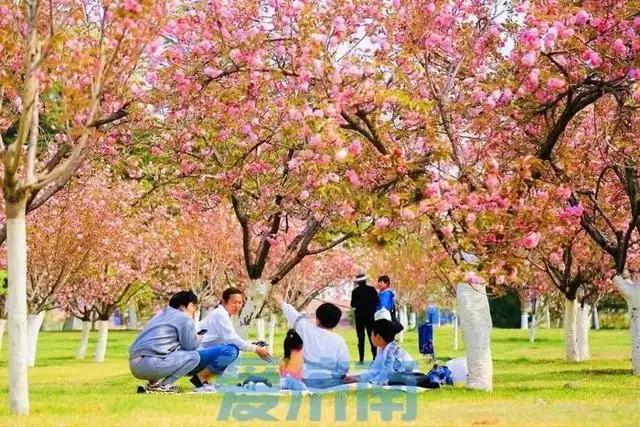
356	125
331	245
246	233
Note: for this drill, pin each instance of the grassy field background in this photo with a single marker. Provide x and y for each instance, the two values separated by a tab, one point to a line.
533	386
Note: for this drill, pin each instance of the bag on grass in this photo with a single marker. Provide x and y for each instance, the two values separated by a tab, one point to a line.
438	376
255	382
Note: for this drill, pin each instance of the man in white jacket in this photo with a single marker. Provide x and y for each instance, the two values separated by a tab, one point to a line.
219	329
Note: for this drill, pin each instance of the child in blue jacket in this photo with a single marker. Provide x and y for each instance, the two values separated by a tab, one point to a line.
391	358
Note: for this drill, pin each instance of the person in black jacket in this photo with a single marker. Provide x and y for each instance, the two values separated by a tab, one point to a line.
364	300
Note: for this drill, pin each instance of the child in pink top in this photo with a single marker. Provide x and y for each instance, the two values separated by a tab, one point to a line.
291	364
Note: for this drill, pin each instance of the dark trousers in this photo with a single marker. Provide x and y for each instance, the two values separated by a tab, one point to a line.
364	323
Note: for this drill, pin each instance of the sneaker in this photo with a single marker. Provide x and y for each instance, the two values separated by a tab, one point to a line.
163	388
206	388
146	388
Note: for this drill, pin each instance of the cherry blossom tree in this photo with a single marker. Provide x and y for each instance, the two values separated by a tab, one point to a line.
71	69
574	83
253	87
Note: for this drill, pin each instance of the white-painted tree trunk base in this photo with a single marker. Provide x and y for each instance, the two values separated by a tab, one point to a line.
34	323
475	322
260	329
583	324
413	320
547	317
404	321
456	330
84	340
570	331
524	321
258	291
17	310
3	322
103	336
532	329
631	293
635	337
596	318
272	332
133	317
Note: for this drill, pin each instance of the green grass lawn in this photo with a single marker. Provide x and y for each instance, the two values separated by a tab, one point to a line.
529	381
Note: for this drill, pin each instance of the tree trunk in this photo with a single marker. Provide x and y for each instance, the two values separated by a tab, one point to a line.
84	339
631	293
260	329
455	331
403	321
258	291
475	322
634	310
570	335
34	323
583	324
272	331
133	318
17	308
596	318
68	323
547	317
532	328
103	335
524	320
412	320
2	324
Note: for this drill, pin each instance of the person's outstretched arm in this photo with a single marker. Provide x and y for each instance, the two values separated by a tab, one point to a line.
290	313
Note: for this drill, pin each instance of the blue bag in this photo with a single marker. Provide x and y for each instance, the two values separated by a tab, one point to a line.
425	339
438	376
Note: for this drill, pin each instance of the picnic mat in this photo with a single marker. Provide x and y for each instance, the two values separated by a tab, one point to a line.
237	390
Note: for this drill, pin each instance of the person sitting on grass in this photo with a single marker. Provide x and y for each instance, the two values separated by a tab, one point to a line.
220	332
292	363
326	356
391	362
165	349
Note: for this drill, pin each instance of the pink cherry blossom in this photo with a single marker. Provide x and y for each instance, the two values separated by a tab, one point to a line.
531	240
555	84
382	222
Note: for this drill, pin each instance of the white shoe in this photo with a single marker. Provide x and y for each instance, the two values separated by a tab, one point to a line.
206	388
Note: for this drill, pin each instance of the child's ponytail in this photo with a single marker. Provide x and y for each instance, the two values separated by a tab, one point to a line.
292	341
